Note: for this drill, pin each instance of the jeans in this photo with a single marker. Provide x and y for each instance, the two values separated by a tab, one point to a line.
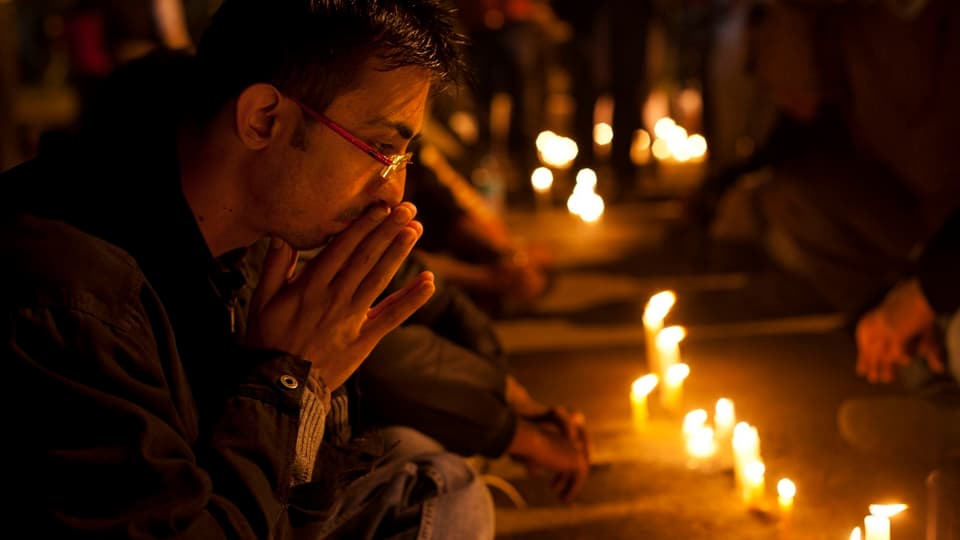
419	492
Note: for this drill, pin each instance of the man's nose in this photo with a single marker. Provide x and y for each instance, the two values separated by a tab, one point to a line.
391	190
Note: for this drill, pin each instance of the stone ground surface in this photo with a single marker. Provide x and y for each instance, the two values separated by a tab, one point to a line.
755	335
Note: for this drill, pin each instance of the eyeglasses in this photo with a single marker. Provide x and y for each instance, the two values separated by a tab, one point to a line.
391	164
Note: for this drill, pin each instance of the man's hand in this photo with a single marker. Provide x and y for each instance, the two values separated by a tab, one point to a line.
323	314
543	447
890	335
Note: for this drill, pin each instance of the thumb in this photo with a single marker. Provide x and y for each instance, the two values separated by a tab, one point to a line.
273	274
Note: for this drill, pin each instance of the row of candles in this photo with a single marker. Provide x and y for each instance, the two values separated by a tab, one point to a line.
672	144
726	442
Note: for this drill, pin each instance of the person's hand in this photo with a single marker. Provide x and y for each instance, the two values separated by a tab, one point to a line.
542	447
323	314
890	335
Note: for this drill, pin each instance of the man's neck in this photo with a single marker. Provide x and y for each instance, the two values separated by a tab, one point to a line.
209	175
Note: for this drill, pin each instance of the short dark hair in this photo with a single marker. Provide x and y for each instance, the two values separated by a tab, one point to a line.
313	49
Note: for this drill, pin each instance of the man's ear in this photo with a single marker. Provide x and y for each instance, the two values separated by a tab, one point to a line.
258	115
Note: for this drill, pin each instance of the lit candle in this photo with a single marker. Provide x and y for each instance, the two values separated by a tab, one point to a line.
701	445
877	524
639	391
724	418
786	490
877	527
855	534
671	395
668	346
753	483
653	314
542	181
693	421
746	449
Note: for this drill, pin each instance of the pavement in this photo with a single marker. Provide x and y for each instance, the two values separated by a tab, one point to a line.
755	335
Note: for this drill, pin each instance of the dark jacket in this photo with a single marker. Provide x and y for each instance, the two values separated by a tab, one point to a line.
134	413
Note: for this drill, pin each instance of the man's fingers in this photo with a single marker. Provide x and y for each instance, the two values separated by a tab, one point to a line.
395	309
275	268
371	279
328	262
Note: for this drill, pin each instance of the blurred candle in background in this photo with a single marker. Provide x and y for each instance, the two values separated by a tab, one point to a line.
655	311
639	391
671	394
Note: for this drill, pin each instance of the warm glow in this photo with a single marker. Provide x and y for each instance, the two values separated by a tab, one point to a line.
587	178
701	444
724	415
754	471
786	489
661	150
658	306
592	208
746	439
670	336
887	510
697	146
642	387
556	151
663	127
856	534
641	139
677	373
542	179
602	134
693	421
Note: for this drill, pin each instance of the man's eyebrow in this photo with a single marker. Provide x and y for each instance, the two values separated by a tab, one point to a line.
402	129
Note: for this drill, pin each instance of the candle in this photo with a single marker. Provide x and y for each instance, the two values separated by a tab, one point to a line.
786	490
753	483
855	534
877	527
724	419
701	445
672	392
639	391
542	182
668	346
693	421
746	448
653	314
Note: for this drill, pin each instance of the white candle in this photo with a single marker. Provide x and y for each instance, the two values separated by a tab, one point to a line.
786	491
700	444
657	308
724	419
542	181
754	485
746	448
855	534
671	395
876	527
639	391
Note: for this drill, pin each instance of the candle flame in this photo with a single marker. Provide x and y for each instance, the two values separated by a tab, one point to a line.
693	421
586	178
664	126
644	385
745	437
724	412
555	150
658	306
677	373
786	489
602	134
701	444
855	534
887	510
754	471
542	179
671	336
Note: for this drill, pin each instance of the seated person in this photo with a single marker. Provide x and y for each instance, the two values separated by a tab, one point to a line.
913	335
466	243
444	374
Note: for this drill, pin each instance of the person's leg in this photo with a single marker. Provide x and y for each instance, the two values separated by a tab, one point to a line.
418	492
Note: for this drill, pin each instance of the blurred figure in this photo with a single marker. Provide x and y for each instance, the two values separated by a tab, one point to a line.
913	335
467	243
445	374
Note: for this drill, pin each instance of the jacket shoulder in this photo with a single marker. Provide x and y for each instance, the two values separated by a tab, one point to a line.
53	264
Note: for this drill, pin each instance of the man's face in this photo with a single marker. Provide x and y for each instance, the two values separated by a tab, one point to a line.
317	183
